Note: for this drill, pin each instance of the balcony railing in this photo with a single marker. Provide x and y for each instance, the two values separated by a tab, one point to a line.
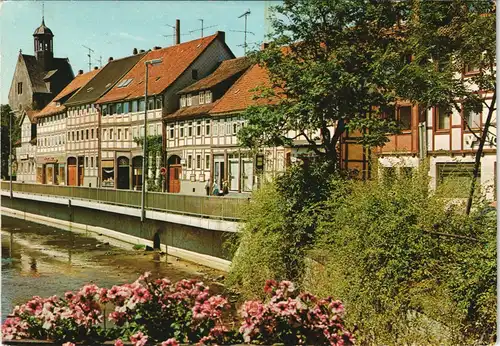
214	207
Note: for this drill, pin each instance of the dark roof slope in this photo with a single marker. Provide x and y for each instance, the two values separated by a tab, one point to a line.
37	74
226	70
75	85
104	81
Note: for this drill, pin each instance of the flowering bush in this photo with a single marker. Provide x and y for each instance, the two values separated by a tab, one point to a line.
149	311
77	317
294	319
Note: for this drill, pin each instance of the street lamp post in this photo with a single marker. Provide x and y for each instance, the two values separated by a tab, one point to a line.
10	154
144	142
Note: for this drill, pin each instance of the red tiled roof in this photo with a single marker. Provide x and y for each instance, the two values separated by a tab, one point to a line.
176	59
31	115
239	96
187	112
79	81
226	70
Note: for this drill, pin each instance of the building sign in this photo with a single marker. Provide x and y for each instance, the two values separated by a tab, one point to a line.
49	159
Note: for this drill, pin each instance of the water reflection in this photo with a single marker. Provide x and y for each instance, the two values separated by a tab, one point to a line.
41	260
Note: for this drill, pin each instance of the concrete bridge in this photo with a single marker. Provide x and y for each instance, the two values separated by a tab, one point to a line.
190	227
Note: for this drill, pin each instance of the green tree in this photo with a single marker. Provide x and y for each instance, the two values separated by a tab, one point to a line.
7	118
332	73
445	38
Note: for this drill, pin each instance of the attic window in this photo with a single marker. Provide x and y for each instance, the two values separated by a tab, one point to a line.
58	104
90	89
124	83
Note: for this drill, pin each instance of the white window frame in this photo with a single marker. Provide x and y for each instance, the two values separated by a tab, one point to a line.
201	98
189	100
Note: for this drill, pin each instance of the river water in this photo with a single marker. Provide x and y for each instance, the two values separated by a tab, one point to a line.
42	260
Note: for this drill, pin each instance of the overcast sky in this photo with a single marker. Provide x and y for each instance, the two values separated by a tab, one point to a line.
114	28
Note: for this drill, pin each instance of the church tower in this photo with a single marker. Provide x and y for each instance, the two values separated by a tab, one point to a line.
44	47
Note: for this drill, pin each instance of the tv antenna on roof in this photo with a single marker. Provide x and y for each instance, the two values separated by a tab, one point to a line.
202	27
246	14
90	56
174	34
100	60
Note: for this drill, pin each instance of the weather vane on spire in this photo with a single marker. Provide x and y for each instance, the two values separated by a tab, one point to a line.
43	12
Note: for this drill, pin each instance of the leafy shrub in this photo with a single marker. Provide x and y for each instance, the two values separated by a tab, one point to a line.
279	226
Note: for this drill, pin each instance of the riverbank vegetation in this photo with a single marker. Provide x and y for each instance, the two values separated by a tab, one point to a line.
409	264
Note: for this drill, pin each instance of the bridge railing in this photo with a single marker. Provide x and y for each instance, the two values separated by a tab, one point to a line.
227	208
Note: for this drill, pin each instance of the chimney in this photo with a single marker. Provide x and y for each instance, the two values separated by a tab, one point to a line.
110	59
142	51
134	51
221	35
96	68
264	45
156	47
177	31
80	71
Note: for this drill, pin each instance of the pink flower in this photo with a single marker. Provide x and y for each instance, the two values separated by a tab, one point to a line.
118	342
287	286
170	342
142	295
68	344
270	286
252	308
139	339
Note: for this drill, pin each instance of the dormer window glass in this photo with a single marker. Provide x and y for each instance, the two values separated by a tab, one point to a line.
183	101
208	96
188	100
134	106
159	102
201	98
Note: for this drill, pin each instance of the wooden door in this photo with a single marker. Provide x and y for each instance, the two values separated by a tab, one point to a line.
72	175
174	183
247	175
